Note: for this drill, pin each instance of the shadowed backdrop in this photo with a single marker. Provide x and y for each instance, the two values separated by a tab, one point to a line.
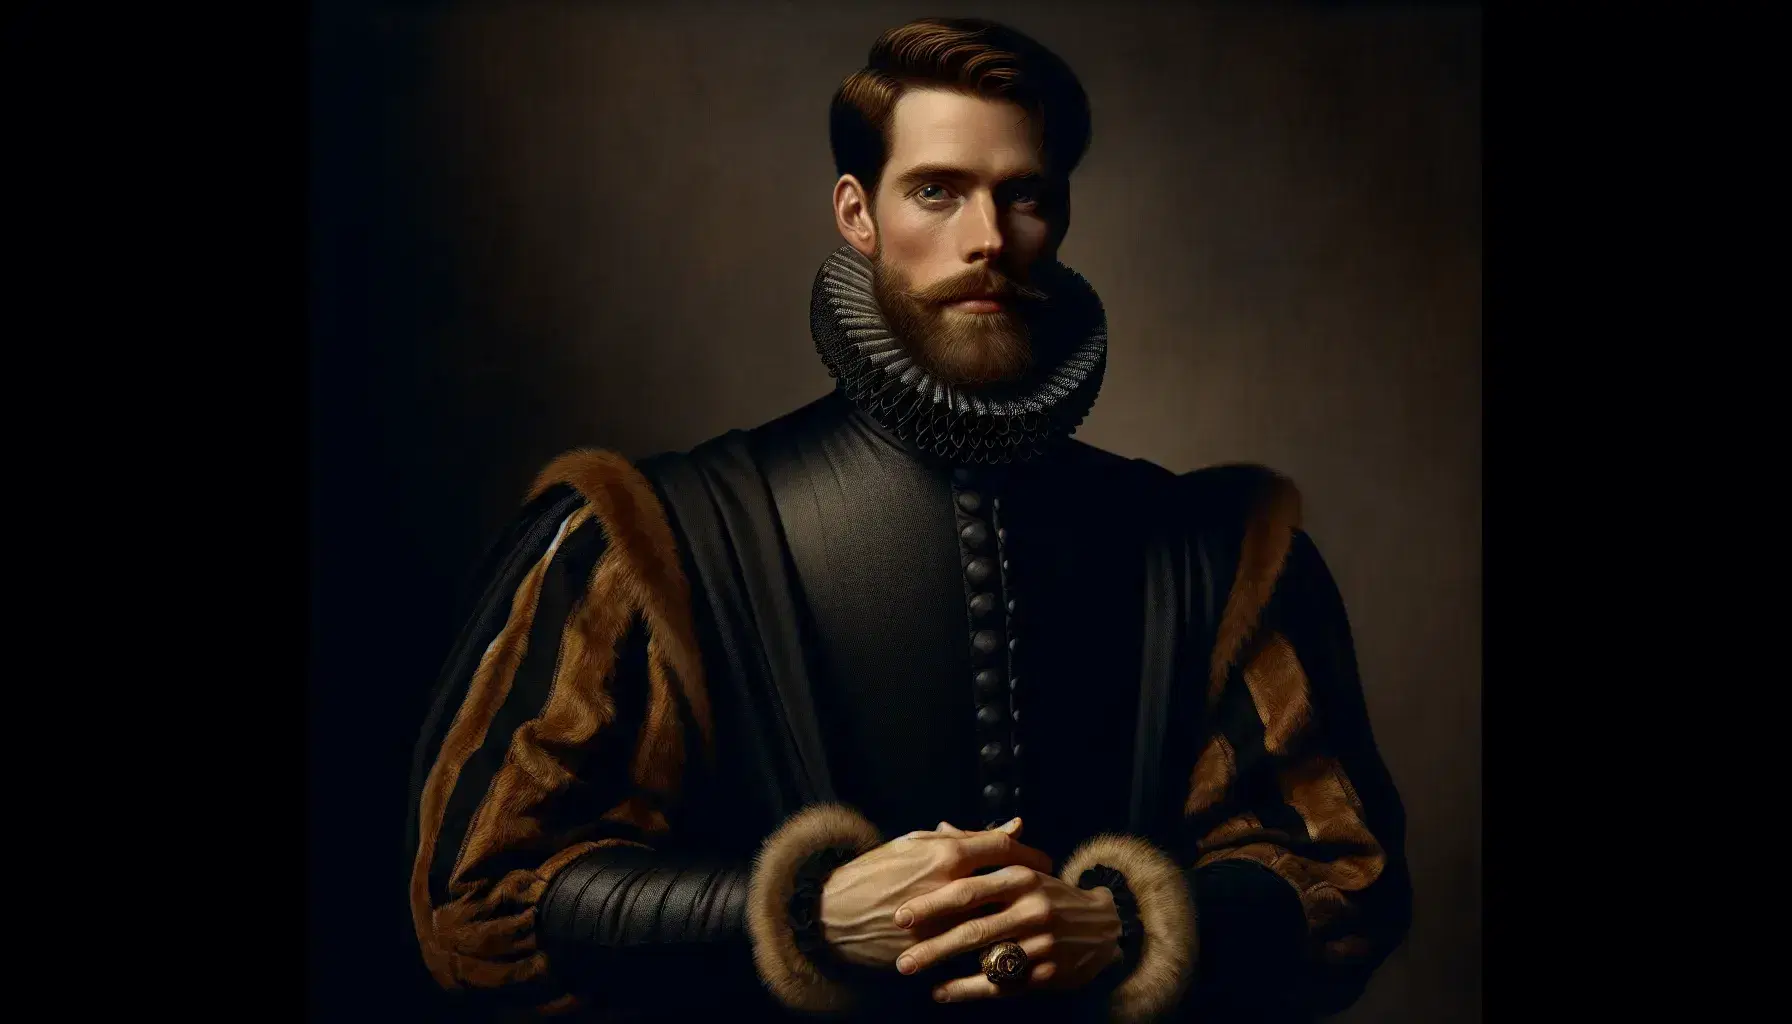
538	226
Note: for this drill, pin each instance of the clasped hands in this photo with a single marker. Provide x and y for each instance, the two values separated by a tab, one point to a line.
915	901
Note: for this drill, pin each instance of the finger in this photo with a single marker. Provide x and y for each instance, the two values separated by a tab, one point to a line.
978	986
1039	946
960	990
946	828
966	894
1023	917
996	847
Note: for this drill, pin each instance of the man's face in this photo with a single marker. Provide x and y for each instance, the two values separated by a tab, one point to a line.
963	216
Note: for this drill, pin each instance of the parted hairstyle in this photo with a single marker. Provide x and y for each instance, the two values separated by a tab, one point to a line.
969	55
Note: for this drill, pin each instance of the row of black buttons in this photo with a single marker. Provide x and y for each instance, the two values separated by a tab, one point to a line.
992	640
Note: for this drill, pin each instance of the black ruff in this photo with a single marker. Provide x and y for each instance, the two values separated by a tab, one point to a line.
992	424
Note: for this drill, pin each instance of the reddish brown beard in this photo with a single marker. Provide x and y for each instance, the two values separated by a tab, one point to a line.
960	348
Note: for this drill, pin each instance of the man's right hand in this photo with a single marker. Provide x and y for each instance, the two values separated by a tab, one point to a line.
859	902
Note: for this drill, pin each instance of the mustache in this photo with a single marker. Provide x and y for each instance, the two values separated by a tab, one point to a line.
979	283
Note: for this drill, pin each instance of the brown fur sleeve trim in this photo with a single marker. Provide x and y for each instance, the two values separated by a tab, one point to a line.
634	522
1269	533
490	684
790	976
1166	915
481	935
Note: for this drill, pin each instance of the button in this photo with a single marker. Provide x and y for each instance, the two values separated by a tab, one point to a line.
990	715
970	501
992	752
974	536
978	570
1017	750
1014	684
1014	714
1017	793
994	795
998	504
1002	534
1013	644
989	682
1013	606
1005	565
982	605
964	475
985	641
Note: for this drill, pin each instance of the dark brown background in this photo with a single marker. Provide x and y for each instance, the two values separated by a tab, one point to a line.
538	226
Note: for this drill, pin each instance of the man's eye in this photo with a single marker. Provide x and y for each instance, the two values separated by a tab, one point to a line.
931	193
1025	197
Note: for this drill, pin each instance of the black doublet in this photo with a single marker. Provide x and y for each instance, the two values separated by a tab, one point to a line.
974	630
919	635
927	605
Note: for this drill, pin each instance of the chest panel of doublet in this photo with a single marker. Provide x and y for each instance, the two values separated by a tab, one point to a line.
992	621
973	637
1072	561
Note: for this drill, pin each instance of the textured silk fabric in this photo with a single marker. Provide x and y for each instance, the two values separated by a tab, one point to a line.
871	528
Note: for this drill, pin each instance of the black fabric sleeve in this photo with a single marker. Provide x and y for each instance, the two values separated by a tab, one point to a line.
630	925
552	869
1311	613
636	929
1252	940
627	896
1298	872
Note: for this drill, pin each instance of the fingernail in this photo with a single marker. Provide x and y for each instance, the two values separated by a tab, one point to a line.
905	964
939	995
1011	823
904	918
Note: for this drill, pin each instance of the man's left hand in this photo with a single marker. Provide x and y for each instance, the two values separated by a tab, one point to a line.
1070	934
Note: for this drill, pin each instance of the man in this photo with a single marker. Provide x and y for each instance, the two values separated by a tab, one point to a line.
906	698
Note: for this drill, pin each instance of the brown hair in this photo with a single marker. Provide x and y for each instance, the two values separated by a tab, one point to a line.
969	55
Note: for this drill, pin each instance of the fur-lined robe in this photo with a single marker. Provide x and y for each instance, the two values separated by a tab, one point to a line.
631	754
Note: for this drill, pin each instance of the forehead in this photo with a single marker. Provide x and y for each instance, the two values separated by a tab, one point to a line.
992	138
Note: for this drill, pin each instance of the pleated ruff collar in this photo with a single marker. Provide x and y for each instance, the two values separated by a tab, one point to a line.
980	425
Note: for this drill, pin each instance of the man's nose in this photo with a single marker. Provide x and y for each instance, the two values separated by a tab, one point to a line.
982	229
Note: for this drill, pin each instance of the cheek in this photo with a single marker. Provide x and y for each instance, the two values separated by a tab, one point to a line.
1027	236
918	245
912	237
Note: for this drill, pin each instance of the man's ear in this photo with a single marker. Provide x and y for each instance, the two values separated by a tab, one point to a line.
852	215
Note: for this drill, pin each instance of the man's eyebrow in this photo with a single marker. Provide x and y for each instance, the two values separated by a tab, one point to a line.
947	172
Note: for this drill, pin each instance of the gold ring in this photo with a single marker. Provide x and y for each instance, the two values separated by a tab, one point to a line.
1006	963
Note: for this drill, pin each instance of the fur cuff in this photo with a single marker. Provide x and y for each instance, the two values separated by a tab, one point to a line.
790	976
1166	915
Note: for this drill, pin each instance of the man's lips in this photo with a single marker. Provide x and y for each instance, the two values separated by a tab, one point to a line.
979	303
